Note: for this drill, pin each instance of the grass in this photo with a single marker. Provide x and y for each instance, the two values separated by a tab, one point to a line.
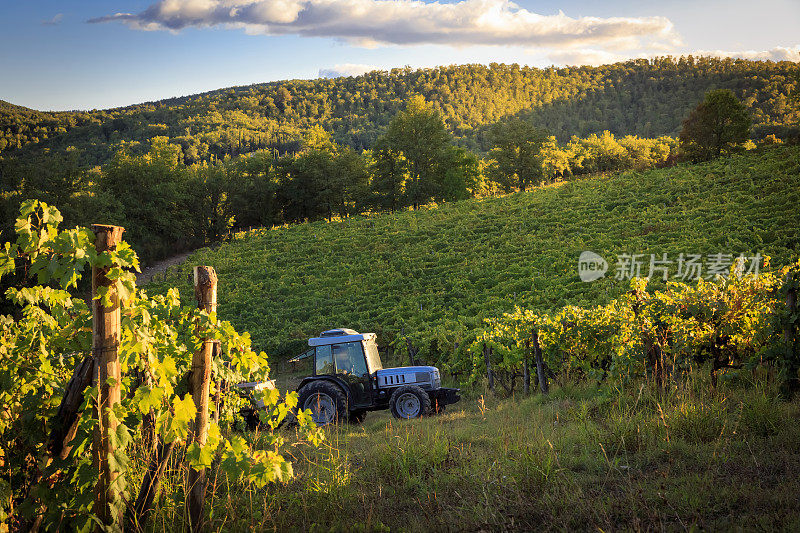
584	457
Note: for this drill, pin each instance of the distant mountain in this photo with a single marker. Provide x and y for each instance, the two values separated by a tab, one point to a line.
642	97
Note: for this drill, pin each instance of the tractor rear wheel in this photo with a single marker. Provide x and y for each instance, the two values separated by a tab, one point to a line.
410	401
327	402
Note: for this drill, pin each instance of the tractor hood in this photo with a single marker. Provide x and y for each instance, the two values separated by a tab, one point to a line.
426	377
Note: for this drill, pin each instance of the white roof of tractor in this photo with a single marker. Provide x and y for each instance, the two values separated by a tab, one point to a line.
335	336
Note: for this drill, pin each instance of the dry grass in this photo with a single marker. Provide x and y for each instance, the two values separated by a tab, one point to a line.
582	458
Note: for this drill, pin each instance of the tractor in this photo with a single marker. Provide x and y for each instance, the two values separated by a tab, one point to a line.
347	380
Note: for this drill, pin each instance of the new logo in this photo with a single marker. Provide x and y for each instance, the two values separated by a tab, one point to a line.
591	266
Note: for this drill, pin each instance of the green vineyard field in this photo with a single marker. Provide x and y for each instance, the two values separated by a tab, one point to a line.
433	275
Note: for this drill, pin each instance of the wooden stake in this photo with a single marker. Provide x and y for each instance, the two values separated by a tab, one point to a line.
540	364
788	336
151	483
487	353
105	343
205	290
65	423
526	372
412	352
219	386
149	436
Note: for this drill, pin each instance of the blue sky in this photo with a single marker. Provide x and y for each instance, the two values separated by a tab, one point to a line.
53	58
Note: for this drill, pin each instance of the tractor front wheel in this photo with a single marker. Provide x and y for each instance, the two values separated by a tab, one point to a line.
326	401
410	401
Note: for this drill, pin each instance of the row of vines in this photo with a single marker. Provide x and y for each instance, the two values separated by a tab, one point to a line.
739	322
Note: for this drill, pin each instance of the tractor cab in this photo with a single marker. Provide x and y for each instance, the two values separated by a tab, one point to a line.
348	356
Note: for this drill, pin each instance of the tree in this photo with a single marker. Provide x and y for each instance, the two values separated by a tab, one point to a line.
719	124
323	180
388	176
304	191
143	190
515	154
254	191
351	181
794	104
211	188
555	160
460	174
419	134
283	98
56	179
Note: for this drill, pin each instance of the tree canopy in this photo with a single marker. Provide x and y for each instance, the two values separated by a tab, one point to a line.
646	98
515	154
720	123
418	134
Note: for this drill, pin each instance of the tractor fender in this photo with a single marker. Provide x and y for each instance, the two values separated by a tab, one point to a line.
333	379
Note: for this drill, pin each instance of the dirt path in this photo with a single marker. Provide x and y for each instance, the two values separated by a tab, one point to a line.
159	267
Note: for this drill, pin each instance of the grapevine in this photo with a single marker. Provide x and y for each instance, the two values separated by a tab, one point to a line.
50	334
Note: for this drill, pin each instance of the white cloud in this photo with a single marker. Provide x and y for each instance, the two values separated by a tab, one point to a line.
56	20
779	53
590	56
406	22
585	57
345	69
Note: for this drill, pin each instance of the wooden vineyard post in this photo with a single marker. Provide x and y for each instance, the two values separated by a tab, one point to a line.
537	350
526	371
789	333
219	385
149	437
205	290
65	423
487	352
151	483
412	352
108	505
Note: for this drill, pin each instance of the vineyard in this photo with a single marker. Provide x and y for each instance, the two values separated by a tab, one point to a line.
636	432
478	297
429	279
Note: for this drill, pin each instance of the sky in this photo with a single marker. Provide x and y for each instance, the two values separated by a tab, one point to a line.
92	54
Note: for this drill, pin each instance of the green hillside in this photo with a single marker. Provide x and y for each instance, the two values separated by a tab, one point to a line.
436	273
638	97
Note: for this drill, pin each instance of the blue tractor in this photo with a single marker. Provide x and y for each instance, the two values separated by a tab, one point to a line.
347	380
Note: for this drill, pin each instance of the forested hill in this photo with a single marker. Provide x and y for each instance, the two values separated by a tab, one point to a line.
642	97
